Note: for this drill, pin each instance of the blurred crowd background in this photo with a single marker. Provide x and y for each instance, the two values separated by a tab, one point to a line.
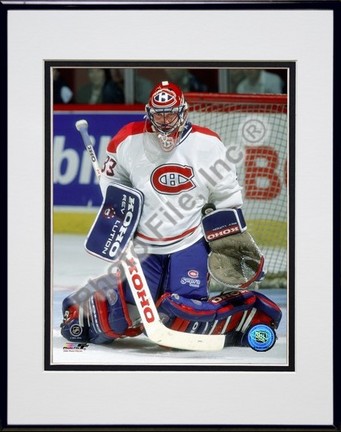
129	86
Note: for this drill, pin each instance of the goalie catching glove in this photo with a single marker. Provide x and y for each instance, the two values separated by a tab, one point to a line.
235	259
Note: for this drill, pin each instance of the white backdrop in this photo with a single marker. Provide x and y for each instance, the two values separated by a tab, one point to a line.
244	398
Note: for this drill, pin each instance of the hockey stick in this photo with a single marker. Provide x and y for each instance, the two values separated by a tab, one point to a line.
156	331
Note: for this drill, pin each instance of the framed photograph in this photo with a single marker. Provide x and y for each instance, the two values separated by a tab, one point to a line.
255	129
84	325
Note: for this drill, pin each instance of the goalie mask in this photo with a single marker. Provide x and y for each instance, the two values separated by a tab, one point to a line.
167	111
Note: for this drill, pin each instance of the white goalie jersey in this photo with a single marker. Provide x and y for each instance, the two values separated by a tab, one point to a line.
175	185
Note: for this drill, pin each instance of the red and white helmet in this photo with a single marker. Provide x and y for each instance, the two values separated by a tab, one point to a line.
167	111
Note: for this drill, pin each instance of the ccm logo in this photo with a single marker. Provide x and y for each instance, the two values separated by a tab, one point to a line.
172	179
193	274
141	293
213	235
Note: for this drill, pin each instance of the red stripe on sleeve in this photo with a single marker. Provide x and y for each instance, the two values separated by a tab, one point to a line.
133	128
205	131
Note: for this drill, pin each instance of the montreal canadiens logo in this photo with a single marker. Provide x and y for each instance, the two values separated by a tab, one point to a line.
193	274
164	99
172	179
109	212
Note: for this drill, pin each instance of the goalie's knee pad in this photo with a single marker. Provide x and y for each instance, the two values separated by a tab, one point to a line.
231	314
101	318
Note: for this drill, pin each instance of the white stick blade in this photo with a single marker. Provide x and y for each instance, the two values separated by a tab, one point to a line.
164	336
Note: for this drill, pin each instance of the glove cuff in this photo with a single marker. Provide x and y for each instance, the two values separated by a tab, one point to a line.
221	223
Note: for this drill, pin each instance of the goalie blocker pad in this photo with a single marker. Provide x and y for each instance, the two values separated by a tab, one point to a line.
115	223
222	223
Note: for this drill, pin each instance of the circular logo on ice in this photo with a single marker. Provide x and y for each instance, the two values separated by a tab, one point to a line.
261	337
253	131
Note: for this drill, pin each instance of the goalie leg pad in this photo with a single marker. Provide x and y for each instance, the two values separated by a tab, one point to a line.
268	311
101	318
218	315
230	314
